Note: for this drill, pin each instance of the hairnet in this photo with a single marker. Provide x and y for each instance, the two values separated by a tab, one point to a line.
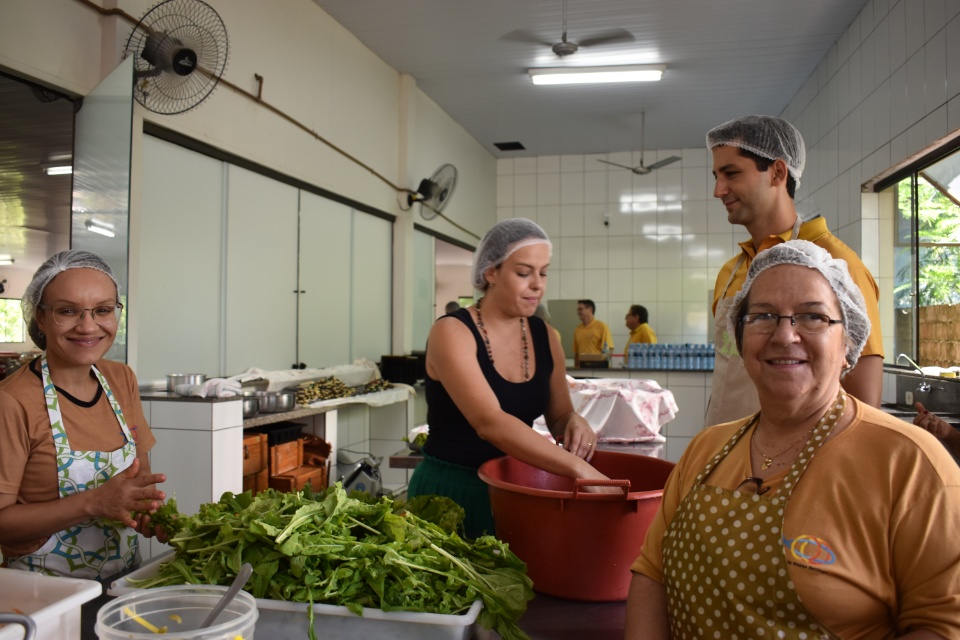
54	266
766	136
501	241
803	253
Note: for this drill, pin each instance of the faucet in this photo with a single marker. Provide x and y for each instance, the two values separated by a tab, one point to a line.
924	385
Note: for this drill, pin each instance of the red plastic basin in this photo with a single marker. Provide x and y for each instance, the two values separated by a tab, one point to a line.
577	545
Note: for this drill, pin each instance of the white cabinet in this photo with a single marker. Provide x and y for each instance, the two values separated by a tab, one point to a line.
260	323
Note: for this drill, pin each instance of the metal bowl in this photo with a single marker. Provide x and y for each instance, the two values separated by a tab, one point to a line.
286	401
173	379
267	401
251	406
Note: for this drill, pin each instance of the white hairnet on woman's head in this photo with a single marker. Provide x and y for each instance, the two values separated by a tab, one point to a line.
501	241
856	322
54	266
768	137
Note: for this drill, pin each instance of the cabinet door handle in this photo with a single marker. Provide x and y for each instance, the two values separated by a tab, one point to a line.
246	452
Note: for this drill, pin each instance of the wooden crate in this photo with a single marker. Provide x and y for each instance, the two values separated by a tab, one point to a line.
256	482
254	453
285	457
315	451
297	479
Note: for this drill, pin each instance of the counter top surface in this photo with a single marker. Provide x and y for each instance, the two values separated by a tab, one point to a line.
547	618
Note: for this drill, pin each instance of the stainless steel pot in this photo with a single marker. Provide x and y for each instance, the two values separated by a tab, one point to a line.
286	401
173	379
276	401
267	400
251	406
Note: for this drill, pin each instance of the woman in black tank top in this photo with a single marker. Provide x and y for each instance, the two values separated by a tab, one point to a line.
492	369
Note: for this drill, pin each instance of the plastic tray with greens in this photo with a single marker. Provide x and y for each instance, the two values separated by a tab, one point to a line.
331	548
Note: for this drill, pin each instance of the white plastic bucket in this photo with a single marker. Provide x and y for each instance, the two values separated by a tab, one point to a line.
177	612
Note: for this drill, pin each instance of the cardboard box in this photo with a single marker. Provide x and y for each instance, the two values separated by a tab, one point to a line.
254	453
256	482
53	603
285	457
297	479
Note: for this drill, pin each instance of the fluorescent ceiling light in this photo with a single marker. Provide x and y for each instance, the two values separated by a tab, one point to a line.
59	171
596	75
6	260
103	228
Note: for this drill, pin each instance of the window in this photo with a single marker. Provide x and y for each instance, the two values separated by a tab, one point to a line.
11	321
927	262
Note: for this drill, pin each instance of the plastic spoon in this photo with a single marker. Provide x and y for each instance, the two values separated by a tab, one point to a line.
242	576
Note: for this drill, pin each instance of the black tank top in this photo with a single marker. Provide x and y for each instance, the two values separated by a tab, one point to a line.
451	437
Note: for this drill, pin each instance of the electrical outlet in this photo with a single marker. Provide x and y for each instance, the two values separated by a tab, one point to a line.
908	398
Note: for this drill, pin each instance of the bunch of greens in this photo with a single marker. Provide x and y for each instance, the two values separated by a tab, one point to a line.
330	548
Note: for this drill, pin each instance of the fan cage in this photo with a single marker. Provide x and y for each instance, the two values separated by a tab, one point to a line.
190	23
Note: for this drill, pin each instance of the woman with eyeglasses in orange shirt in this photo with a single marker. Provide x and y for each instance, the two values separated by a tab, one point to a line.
819	516
73	437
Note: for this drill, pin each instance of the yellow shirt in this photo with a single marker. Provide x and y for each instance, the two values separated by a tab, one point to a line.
816	232
590	338
643	333
882	499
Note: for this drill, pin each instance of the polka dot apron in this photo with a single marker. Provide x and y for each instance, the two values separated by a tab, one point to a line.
724	563
95	548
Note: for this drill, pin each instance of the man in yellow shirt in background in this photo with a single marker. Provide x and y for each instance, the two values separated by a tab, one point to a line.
640	331
591	336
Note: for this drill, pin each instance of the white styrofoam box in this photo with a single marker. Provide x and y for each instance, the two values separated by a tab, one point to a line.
279	619
53	603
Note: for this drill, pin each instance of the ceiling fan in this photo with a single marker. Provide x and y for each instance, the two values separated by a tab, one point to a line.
641	169
566	47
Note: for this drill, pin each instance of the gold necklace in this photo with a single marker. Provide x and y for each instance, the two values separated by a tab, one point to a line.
523	341
832	415
768	460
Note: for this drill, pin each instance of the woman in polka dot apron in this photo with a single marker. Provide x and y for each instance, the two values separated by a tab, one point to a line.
818	517
73	460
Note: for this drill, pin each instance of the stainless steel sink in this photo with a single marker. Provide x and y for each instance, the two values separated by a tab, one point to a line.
908	414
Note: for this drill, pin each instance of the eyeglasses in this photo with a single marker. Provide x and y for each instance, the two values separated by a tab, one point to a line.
105	315
802	322
753	485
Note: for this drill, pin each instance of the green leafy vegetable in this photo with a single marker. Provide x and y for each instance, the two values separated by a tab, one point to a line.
330	548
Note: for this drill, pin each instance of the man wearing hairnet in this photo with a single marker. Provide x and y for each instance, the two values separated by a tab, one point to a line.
757	164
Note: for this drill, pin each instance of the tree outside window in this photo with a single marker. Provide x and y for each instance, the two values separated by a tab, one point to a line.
927	262
11	321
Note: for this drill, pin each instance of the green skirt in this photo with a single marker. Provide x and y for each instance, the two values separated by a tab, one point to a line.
462	485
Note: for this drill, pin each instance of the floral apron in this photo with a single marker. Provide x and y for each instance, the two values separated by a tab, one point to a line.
95	548
733	394
724	560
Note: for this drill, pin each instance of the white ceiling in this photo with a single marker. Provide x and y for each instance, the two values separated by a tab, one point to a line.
724	58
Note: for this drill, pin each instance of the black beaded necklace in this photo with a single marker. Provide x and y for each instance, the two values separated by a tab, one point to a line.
523	341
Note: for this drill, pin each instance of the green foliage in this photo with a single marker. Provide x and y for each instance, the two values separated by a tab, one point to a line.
938	223
11	321
327	547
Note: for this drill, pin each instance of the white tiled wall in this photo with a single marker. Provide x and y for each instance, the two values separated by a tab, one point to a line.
888	90
621	239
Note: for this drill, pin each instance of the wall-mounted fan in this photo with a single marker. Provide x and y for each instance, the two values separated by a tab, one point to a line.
641	169
434	193
180	53
565	47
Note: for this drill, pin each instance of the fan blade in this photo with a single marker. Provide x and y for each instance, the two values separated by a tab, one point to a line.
664	162
607	37
622	166
524	37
